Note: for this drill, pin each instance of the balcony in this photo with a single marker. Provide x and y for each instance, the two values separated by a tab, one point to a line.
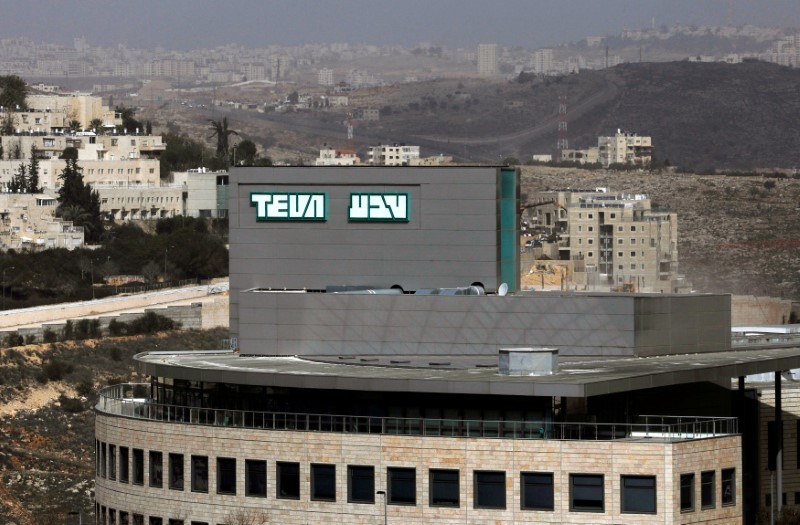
129	400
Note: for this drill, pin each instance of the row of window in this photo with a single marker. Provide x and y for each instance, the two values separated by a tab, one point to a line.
586	491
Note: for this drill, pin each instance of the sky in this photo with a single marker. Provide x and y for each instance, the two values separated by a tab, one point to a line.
193	24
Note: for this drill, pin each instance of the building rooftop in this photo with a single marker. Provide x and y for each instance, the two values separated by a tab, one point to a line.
578	377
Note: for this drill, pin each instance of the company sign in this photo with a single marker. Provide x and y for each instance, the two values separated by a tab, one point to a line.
378	207
280	206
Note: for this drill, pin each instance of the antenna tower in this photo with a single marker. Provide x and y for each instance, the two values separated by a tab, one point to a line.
563	142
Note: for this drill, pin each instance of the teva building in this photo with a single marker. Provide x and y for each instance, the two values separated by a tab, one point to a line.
387	369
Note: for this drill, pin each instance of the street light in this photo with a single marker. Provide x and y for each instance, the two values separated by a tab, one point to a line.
4	285
385	517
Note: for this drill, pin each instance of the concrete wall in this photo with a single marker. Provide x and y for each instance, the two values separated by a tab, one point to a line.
612	459
749	310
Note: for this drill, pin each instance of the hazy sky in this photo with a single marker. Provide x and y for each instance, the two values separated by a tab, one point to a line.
188	24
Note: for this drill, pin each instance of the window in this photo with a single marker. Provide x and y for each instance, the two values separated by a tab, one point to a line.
620	241
638	494
590	254
112	462
402	486
687	492
728	479
591	216
199	474
707	489
288	480
580	228
591	241
176	471
360	484
175	522
591	228
633	266
586	492
138	519
323	482
156	521
633	228
619	228
490	490
103	460
226	476
123	464
633	254
633	241
613	215
123	518
255	478
619	267
536	491
444	488
138	466
156	469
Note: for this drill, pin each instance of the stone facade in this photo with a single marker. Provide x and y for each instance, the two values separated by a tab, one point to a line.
612	459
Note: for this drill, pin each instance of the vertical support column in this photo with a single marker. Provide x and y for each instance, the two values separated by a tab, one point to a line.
779	439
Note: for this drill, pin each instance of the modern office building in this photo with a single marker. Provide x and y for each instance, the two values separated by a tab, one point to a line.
385	367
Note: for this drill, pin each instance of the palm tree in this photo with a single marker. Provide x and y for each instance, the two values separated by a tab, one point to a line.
219	129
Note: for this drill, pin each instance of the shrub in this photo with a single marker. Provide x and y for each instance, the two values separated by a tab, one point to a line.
30	339
117	328
71	404
115	354
14	340
151	322
69	331
55	369
49	336
84	388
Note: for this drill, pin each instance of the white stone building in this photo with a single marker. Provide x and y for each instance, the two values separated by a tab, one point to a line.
487	59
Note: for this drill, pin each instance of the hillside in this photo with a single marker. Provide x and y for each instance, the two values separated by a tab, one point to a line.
736	235
701	115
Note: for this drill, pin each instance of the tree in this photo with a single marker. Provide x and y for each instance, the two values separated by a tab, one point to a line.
129	122
151	271
96	124
245	153
293	98
19	181
33	173
74	125
148	128
13	91
78	202
220	130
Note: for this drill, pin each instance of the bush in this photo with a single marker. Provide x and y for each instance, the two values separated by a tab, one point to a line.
117	328
84	388
69	331
55	370
71	404
87	329
14	340
49	336
115	354
30	339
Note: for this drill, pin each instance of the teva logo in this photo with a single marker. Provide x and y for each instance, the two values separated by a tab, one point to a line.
378	207
290	206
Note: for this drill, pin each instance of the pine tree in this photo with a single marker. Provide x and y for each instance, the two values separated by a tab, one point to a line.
33	173
19	182
78	202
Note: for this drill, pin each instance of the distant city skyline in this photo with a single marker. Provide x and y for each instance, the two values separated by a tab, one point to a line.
194	24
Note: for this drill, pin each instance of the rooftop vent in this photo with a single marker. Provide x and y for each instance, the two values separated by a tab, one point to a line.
528	361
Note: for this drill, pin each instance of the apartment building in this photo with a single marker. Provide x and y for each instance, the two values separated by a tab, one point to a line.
621	241
487	59
385	367
77	106
392	155
337	157
625	148
325	77
542	61
28	222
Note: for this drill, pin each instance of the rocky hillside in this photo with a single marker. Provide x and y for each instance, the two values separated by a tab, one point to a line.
737	234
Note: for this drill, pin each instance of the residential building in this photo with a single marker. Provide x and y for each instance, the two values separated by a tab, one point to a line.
205	193
625	148
581	156
543	61
385	366
77	106
325	77
487	59
28	222
392	155
337	157
622	242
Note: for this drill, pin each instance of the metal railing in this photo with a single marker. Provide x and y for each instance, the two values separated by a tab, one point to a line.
130	400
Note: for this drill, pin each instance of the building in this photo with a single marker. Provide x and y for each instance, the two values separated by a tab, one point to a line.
543	61
625	148
392	155
581	156
337	157
325	77
487	59
29	222
385	366
621	241
204	193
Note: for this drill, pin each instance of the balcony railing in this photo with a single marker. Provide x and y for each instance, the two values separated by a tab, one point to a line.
129	400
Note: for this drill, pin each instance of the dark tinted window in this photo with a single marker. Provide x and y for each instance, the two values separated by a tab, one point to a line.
156	469
402	485
176	471
708	487
123	464
323	482
226	476
586	492
200	473
102	459
490	490
639	494
156	521
537	490
288	480
255	478
687	492
444	488
360	484
138	466
112	462
729	486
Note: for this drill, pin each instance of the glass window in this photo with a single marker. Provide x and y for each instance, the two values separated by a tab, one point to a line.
323	482
490	490
124	518
103	460
638	494
138	466
687	492
199	473
586	492
708	489
176	471
112	462
728	478
255	478
123	464
138	519
226	476
444	488
156	521
536	491
156	469
288	480
175	522
402	486
360	484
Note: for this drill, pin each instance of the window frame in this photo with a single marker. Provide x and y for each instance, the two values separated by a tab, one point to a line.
624	488
226	475
523	503
316	469
124	465
586	476
391	482
690	477
732	482
155	460
712	474
433	483
137	476
491	486
281	472
194	472
255	467
174	459
356	474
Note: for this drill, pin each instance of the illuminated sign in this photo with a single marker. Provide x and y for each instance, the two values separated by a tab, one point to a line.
290	206
378	207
